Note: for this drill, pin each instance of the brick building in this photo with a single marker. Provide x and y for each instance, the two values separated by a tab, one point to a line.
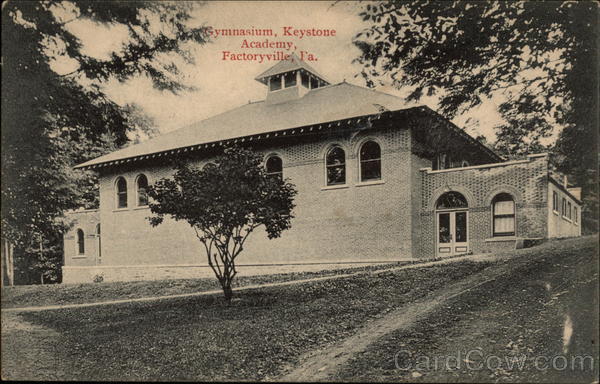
377	182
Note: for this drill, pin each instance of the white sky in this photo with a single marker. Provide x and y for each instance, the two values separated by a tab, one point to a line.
223	85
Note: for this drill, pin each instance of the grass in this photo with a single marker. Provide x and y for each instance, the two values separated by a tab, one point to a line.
55	294
522	316
200	338
266	330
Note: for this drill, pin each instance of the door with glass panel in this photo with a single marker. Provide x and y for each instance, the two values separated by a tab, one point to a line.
452	233
452	224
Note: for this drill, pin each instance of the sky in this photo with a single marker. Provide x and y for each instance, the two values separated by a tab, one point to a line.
223	85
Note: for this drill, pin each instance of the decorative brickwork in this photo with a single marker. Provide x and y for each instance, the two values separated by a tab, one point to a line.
526	181
379	221
355	222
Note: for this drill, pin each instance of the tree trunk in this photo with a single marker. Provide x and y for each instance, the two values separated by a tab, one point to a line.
41	256
228	292
7	263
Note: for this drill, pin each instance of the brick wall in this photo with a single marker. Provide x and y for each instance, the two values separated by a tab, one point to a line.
525	180
357	222
86	220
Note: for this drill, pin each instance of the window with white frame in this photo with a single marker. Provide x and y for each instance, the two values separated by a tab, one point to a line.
569	210
575	215
274	166
99	241
335	163
554	201
142	190
80	242
564	207
370	161
121	192
503	212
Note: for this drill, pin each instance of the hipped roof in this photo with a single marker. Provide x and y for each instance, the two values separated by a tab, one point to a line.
294	63
320	105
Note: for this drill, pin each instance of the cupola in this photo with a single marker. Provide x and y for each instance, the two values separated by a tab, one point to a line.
290	79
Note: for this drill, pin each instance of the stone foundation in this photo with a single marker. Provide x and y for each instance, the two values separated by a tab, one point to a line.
82	274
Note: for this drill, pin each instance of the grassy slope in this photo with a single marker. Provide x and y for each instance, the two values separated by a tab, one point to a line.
199	338
36	295
523	315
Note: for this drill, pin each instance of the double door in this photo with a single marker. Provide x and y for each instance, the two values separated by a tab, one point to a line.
452	233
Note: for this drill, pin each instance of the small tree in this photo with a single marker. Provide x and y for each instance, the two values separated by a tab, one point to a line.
225	202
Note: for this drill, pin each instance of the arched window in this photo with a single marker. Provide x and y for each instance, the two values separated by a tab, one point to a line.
451	200
503	211
274	166
142	190
208	165
335	162
121	193
80	242
370	161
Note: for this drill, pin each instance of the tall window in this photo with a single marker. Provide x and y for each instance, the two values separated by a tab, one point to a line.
555	201
370	161
335	162
99	240
80	242
564	207
569	209
121	193
503	207
575	215
142	190
274	166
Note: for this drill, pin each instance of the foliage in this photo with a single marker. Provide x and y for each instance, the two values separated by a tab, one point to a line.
225	202
52	121
541	58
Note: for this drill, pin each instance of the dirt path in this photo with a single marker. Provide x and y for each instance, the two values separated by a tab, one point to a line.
248	287
318	365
